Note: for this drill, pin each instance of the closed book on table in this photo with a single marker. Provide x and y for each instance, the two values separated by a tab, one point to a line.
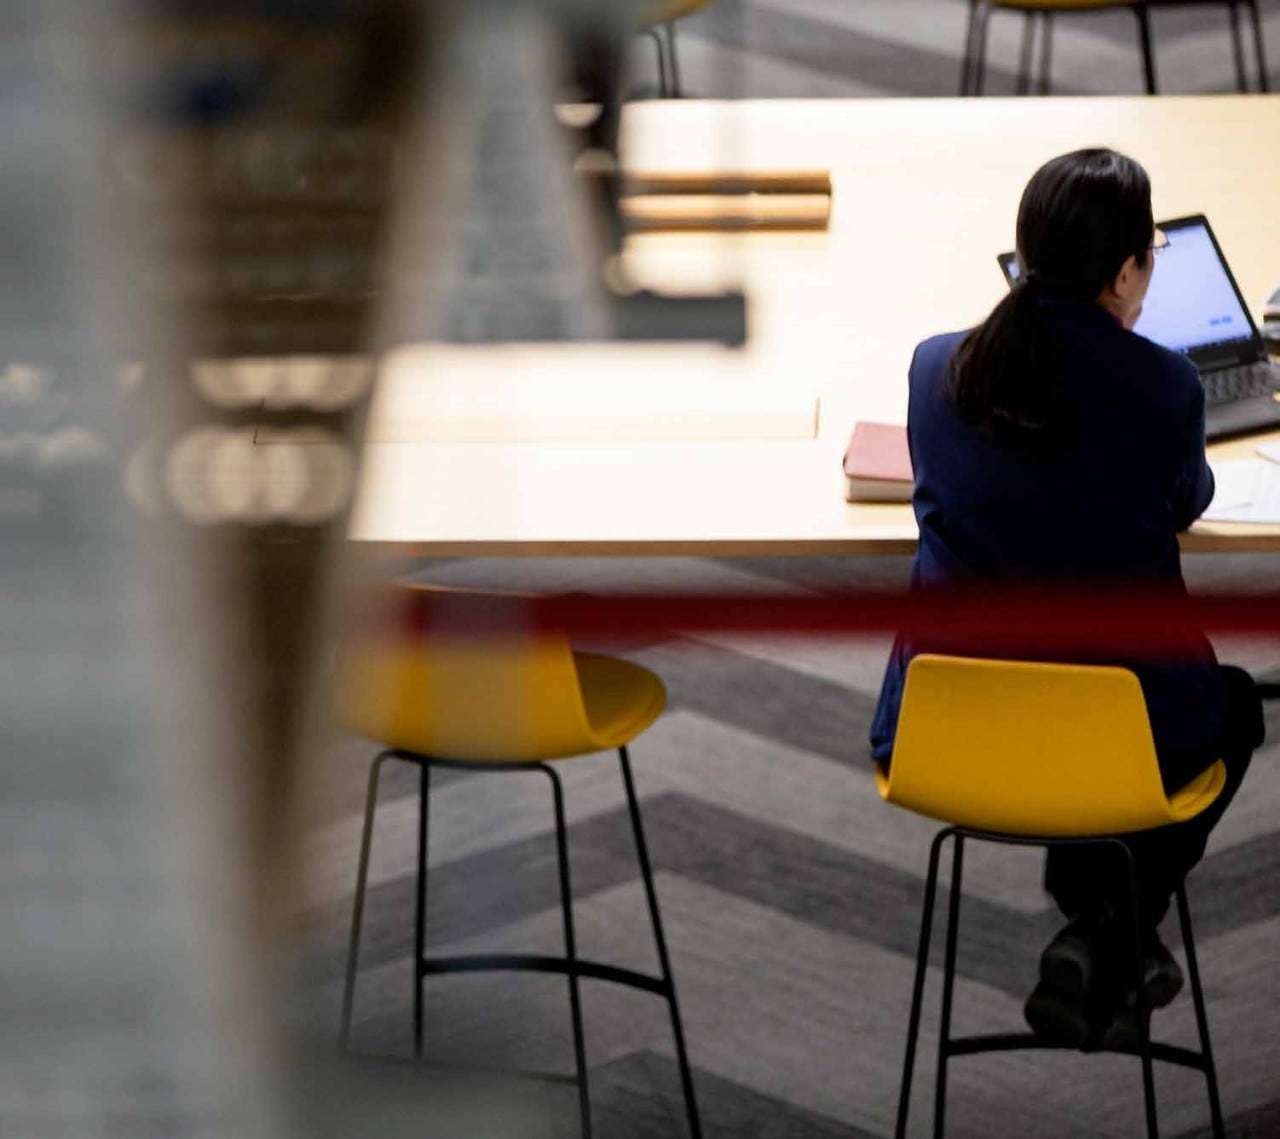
877	464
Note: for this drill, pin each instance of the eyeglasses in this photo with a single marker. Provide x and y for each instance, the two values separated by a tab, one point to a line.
1160	242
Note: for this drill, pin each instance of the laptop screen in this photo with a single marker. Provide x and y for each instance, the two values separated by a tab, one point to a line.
1193	304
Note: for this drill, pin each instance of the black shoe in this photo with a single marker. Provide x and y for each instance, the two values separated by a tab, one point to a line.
1057	1017
1161	976
1074	992
1119	1030
1121	1033
1072	962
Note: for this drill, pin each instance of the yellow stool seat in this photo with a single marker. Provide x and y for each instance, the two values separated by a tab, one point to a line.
484	688
1035	754
622	699
1028	748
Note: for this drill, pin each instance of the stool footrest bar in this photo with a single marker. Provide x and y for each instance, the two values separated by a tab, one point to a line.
538	963
1025	1041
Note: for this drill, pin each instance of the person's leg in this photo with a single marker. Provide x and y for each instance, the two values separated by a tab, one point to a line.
1081	878
1081	970
1165	856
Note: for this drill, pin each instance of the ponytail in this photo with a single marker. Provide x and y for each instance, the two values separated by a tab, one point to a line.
1081	217
1002	378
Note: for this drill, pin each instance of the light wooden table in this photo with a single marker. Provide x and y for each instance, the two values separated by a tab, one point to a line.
925	196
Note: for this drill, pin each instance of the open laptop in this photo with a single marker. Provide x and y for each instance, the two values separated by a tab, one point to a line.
1194	306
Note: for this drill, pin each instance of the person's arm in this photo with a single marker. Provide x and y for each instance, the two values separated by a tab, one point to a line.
1193	480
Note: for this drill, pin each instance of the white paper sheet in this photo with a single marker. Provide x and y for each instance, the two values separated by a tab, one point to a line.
1247	490
1270	451
1233	484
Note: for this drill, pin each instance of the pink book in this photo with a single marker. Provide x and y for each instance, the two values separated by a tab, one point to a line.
877	464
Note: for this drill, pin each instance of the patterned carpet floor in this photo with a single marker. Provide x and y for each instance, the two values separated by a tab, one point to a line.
791	896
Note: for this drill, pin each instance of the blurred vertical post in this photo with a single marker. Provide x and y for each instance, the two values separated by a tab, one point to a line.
192	208
124	1008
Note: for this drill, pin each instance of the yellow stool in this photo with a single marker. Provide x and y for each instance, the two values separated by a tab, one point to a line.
659	19
1037	755
980	11
458	679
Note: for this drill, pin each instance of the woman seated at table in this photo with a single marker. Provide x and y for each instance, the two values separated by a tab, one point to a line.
1053	444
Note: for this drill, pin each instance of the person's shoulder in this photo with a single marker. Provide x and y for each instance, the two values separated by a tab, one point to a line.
934	354
1171	369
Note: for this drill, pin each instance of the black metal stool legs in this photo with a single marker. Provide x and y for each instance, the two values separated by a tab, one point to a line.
664	960
948	987
1202	1019
420	909
357	908
973	65
571	965
1237	46
1142	1011
1024	53
668	62
983	20
673	63
664	88
1143	15
950	1046
1264	84
966	61
570	952
917	991
1046	53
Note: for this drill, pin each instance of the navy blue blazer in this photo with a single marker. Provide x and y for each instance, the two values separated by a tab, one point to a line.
1106	509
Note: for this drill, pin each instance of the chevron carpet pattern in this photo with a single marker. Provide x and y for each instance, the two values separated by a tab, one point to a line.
791	897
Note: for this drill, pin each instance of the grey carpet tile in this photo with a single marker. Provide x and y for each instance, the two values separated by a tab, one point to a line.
1244	1016
1262	1122
1236	886
829	574
639	1097
603	576
825	45
856	663
398	1099
716	69
776	703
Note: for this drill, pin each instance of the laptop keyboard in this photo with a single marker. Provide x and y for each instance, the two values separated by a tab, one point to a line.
1244	382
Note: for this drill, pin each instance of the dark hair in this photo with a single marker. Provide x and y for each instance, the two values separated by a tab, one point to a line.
1081	217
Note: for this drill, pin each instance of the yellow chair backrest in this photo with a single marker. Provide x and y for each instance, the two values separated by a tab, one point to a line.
1033	749
462	675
